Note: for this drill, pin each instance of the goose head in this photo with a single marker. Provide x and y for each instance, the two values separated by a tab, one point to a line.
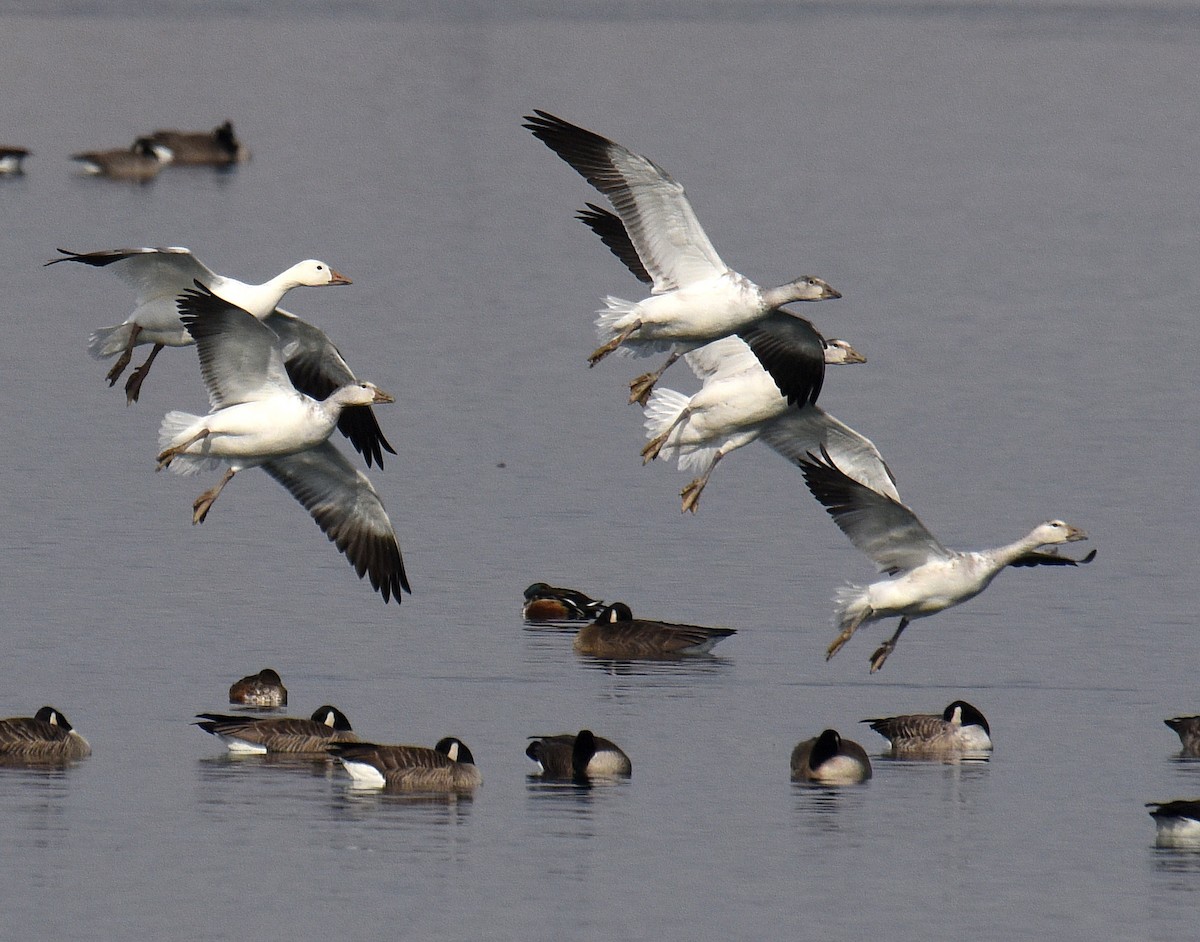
332	717
966	715
1056	531
615	613
455	750
360	394
148	147
48	714
840	351
810	288
314	272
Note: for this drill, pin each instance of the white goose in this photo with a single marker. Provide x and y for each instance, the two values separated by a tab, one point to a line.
259	419
696	297
787	345
740	403
927	577
159	275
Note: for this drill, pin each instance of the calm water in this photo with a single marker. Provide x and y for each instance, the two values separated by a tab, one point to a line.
1007	201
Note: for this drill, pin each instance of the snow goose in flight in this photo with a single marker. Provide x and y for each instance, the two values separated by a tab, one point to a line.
740	403
927	577
696	297
447	767
960	728
140	163
617	634
259	419
159	275
829	759
787	345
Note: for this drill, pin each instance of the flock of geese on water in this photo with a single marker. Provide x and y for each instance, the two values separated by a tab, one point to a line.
278	388
142	161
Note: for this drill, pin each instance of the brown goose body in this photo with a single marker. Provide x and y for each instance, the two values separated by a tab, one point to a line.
830	760
216	148
448	767
576	756
1188	728
290	734
616	633
264	689
45	735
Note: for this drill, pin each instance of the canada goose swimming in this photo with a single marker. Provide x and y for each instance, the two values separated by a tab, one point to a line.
788	346
11	161
260	734
926	576
1188	728
739	403
264	689
551	603
160	275
447	767
696	297
578	756
959	728
259	419
45	735
616	633
830	760
1178	822
140	163
216	148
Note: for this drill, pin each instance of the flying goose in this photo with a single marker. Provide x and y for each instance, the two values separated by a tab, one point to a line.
617	634
264	689
11	159
140	163
786	345
447	767
261	734
552	603
578	756
829	759
696	297
926	576
216	148
259	419
1188	728
45	735
160	275
959	728
1177	822
739	403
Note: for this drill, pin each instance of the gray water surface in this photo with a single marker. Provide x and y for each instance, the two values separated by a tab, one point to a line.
1005	195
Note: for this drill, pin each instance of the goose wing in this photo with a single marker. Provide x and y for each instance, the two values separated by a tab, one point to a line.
1050	558
722	358
348	510
792	351
799	433
611	230
881	527
240	358
154	273
316	368
22	731
661	224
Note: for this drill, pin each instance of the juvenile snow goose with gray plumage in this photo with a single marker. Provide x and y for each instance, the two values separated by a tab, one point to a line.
696	297
259	419
927	577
